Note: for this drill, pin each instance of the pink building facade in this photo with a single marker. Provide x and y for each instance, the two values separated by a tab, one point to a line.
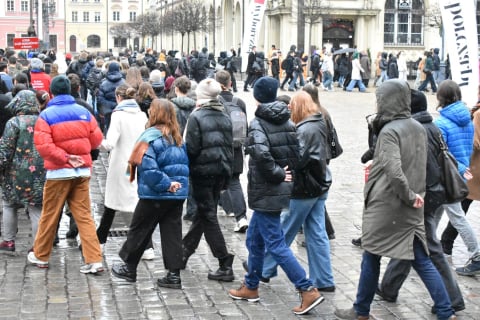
48	20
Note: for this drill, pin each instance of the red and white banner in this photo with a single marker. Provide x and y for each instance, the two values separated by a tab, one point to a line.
253	21
460	32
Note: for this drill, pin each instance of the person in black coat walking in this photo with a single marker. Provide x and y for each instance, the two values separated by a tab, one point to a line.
251	75
274	152
209	142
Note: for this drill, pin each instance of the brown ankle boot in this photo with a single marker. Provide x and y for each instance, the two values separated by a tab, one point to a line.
309	299
244	293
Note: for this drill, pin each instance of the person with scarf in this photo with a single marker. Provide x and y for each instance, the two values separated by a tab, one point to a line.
159	162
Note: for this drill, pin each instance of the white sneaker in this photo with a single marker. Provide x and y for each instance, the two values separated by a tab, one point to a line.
241	226
34	260
148	254
92	268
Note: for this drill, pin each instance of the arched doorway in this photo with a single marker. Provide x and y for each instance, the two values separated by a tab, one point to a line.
73	44
338	32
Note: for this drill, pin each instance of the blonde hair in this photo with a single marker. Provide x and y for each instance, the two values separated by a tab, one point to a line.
302	106
162	115
134	77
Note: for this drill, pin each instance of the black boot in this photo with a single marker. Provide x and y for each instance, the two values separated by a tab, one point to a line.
225	272
171	280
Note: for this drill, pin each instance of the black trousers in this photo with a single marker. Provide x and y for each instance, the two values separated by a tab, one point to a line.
397	270
206	192
450	233
288	76
147	215
250	78
233	200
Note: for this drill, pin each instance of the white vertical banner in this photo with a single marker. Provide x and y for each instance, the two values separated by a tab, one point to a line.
253	21
460	32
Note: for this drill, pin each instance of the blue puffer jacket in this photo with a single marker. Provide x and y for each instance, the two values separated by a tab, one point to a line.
457	130
106	91
162	164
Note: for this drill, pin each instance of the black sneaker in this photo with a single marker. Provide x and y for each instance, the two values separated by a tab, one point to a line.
122	271
171	280
456	308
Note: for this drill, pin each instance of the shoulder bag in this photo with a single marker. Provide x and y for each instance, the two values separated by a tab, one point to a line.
455	186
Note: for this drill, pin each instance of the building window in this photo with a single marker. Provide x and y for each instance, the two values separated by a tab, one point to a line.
10	5
133	16
52	38
74	16
403	25
96	1
116	15
24	6
74	0
85	0
119	42
10	37
97	16
93	41
86	17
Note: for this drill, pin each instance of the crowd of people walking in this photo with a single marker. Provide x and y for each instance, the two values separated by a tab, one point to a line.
174	133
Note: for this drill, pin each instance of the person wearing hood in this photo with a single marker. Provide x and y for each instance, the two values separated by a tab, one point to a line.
357	70
457	129
22	168
436	65
209	142
397	270
158	85
127	124
392	71
274	152
392	222
106	98
38	78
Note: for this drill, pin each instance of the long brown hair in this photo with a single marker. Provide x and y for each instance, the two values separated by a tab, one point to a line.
145	91
302	106
162	115
313	92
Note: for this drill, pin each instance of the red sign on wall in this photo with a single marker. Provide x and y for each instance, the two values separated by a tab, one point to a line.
25	43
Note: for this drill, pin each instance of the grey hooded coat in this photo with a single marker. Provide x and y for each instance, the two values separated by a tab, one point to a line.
397	174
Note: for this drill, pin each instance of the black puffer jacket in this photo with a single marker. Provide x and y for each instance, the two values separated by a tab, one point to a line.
183	107
210	142
312	178
272	145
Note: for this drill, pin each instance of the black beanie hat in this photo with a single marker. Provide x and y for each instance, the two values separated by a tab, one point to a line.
418	101
265	89
60	85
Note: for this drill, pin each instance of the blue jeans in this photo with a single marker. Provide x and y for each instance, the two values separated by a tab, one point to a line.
296	75
459	221
422	264
265	232
328	80
352	84
311	214
429	78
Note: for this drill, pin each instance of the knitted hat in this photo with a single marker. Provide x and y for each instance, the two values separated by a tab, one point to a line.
418	101
22	55
265	89
207	89
60	85
36	64
114	67
169	82
156	76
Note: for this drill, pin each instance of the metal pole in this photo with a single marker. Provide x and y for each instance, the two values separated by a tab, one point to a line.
172	27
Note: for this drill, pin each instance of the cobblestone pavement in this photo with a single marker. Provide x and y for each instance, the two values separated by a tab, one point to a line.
62	292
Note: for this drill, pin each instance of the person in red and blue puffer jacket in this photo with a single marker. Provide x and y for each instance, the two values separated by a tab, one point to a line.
64	135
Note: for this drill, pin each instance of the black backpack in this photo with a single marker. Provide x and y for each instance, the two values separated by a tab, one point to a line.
239	120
